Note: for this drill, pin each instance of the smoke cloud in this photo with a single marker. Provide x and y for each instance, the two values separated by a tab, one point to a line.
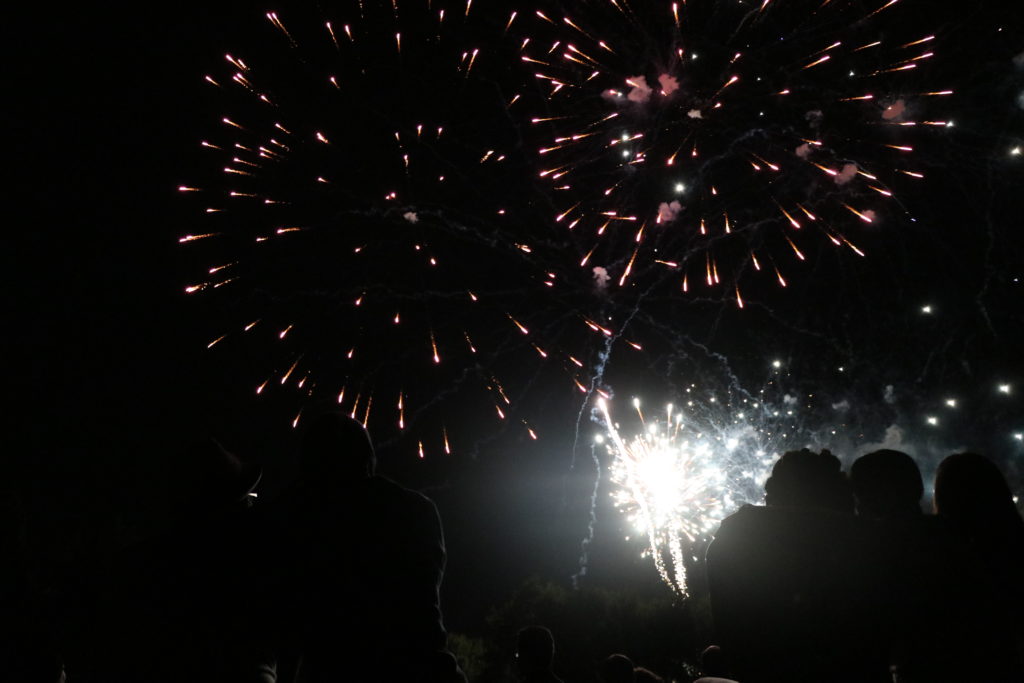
667	211
669	84
640	92
895	111
847	174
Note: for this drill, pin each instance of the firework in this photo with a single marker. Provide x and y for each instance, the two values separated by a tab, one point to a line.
679	475
706	141
357	226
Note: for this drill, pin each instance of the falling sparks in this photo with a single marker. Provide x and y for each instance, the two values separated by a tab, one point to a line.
615	104
300	163
655	164
433	346
671	482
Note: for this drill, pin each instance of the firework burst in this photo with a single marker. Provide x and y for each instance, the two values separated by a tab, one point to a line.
709	140
357	225
680	474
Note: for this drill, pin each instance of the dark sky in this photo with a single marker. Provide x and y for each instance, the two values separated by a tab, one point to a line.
111	109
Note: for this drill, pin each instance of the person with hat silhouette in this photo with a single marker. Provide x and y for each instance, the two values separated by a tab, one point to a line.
173	604
362	561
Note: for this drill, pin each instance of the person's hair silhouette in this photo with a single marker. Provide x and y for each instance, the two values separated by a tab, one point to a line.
972	495
535	654
808	479
887	484
616	668
336	447
970	490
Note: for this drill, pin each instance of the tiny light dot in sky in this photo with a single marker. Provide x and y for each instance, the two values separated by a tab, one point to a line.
933	420
1019	436
926	309
1015	152
776	363
680	187
1004	388
951	402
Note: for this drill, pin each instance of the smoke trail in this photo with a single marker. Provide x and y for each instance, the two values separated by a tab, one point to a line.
591	521
595	381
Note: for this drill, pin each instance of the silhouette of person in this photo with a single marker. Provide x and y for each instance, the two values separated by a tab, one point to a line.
190	580
887	485
219	566
174	602
362	562
793	583
535	655
972	496
616	668
928	606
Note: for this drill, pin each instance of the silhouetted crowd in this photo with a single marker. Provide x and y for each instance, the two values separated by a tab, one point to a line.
838	578
336	580
842	578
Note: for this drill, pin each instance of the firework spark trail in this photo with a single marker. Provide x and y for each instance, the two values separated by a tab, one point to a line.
595	382
391	203
365	215
675	482
755	126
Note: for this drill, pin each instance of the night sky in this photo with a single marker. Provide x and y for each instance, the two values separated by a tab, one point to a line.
111	110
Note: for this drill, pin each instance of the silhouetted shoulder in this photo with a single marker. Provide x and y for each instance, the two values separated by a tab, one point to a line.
792	595
391	504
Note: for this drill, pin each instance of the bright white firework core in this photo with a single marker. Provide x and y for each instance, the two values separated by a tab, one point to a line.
670	485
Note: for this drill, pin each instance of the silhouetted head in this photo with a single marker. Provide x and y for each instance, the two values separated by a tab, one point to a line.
887	485
535	650
712	662
806	479
970	490
616	669
336	447
642	675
